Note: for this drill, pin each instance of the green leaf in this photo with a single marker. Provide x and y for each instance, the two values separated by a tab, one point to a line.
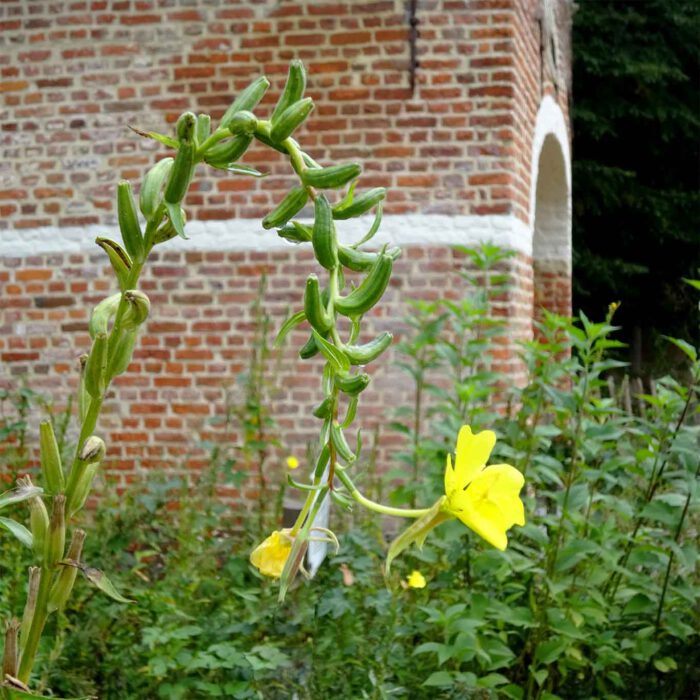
15	694
439	679
665	664
99	579
18	530
686	347
292	322
239	169
549	651
19	494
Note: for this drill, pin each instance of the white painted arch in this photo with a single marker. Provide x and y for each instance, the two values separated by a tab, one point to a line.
550	186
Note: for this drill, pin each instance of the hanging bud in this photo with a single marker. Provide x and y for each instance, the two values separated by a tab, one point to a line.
96	367
83	396
10	658
223	154
30	604
137	311
119	258
50	459
185	127
61	589
351	207
243	122
293	89
93	450
56	541
102	314
167	230
332	176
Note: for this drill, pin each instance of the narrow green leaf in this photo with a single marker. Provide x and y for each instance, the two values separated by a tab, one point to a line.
18	530
19	494
99	579
334	355
292	322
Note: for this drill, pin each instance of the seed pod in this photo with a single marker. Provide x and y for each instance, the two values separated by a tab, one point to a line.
50	458
56	540
151	187
121	356
102	315
62	587
291	119
370	291
331	177
316	313
229	151
290	206
352	384
293	89
83	396
30	604
137	311
340	443
121	262
359	205
202	129
295	232
129	221
96	367
247	100
38	519
10	656
323	236
360	260
243	122
364	354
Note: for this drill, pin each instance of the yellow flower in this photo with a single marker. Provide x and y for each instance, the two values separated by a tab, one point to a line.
271	554
292	462
416	580
485	499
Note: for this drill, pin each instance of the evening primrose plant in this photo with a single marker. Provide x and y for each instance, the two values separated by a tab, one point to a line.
485	499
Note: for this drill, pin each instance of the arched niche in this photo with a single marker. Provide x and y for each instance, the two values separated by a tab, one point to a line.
550	211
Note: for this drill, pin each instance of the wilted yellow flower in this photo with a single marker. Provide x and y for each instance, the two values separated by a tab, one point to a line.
485	499
270	556
416	580
292	462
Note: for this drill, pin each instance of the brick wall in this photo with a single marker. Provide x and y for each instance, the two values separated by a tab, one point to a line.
455	154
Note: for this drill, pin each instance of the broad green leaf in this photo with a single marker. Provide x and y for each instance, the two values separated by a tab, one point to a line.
18	530
684	346
439	679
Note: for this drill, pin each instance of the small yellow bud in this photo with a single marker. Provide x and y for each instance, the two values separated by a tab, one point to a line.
292	462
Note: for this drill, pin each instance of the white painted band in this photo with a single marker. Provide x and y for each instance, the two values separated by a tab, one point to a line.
246	234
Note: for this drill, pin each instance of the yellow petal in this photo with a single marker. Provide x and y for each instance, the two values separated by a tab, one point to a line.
416	580
271	554
472	454
292	462
486	520
450	476
491	504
